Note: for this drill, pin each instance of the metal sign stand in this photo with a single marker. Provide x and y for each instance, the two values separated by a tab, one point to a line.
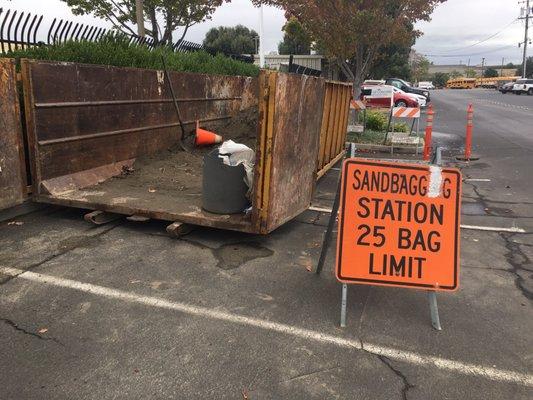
432	295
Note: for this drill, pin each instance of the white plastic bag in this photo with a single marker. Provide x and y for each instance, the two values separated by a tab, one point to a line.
234	154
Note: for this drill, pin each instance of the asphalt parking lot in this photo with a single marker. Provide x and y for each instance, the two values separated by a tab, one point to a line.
124	311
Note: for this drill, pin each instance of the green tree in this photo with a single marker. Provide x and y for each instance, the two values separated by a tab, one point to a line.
490	73
529	68
231	40
440	79
164	16
354	31
419	67
296	40
393	60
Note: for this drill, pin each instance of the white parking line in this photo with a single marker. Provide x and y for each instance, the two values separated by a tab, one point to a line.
493	228
473	227
305	334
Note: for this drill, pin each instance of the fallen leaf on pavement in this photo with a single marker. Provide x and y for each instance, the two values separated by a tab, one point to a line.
18	223
43	330
151	190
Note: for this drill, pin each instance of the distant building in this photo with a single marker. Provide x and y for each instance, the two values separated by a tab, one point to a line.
315	61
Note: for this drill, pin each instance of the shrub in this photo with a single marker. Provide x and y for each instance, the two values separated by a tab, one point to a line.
118	52
376	121
401	127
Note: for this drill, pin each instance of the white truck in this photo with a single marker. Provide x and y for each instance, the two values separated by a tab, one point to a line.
426	85
523	86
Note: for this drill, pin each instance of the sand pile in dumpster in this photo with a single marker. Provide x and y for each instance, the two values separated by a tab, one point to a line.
178	173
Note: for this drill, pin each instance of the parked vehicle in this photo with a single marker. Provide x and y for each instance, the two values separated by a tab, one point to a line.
523	86
374	98
426	85
403	85
461	83
422	101
506	87
369	82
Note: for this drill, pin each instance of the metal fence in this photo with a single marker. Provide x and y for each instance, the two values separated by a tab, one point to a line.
302	70
19	30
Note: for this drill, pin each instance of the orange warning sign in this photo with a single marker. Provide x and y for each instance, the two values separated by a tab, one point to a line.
399	225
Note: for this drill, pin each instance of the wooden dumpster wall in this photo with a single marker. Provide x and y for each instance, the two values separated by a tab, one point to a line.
82	117
334	125
291	113
12	159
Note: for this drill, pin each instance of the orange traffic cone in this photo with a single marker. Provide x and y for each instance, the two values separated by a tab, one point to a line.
205	138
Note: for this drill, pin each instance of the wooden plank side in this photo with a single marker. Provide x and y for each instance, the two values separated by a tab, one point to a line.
341	130
295	146
336	125
345	116
324	126
12	158
331	125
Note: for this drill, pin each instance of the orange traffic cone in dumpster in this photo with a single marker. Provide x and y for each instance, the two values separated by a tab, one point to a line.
205	138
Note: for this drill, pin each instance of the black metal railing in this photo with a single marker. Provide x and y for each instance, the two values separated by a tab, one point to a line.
20	30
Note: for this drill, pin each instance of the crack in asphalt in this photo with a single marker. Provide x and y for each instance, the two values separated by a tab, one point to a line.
59	253
306	374
406	385
513	253
16	327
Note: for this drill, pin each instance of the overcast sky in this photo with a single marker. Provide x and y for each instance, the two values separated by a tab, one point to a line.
456	25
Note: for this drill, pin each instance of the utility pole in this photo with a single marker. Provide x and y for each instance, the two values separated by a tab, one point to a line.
501	69
483	67
140	17
526	17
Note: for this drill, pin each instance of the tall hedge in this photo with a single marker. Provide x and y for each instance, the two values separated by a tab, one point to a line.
117	52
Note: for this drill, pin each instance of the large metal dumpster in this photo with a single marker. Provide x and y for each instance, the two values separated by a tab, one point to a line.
88	126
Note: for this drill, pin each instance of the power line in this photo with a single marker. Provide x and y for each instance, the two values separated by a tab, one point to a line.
486	39
469	55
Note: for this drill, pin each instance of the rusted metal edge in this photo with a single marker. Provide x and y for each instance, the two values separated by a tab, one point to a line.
329	165
123	131
240	225
29	116
267	154
260	149
124	102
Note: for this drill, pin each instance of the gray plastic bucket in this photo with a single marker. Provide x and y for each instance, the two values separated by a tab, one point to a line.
223	186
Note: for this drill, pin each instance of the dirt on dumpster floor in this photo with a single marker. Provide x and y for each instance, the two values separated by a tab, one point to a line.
175	172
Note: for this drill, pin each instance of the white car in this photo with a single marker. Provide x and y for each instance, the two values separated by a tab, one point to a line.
523	86
422	101
426	85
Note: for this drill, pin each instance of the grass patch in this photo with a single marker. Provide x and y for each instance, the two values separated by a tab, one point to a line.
118	52
366	137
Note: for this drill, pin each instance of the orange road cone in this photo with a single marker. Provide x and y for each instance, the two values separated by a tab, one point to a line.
205	138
